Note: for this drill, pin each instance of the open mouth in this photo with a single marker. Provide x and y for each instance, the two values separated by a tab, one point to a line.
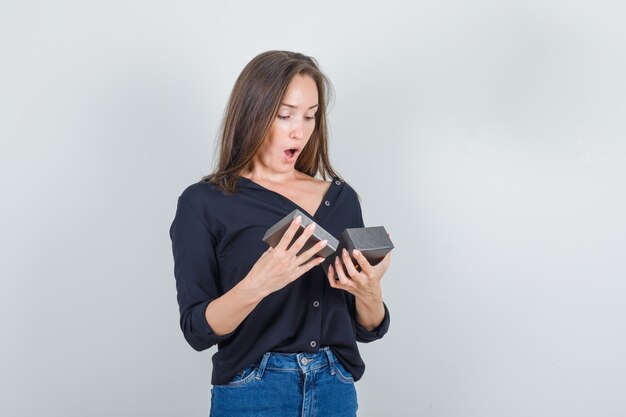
291	152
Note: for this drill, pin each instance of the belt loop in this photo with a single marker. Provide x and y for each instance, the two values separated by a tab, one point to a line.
331	361
259	374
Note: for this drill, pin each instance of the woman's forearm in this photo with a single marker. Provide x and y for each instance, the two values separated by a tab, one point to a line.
371	312
225	314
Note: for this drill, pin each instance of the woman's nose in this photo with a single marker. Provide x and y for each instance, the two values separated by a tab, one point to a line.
296	130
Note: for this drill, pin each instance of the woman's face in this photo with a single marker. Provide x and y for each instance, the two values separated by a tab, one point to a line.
292	126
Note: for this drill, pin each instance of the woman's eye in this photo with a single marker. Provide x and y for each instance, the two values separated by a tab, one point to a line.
281	117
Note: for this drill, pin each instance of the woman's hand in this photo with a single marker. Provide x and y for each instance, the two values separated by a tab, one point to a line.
280	266
364	284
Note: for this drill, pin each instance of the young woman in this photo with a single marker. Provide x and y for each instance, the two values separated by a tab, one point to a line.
286	333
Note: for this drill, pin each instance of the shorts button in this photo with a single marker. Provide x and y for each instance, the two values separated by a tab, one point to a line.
304	361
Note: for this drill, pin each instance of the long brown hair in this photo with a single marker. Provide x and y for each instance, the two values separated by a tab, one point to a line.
252	107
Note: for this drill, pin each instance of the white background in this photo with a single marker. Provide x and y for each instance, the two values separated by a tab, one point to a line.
488	137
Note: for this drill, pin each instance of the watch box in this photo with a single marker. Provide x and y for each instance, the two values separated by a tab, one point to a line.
276	232
373	243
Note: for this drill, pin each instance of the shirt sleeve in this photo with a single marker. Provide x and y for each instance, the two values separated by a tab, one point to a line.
366	336
363	335
197	275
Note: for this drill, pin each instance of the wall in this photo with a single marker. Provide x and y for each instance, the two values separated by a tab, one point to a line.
497	132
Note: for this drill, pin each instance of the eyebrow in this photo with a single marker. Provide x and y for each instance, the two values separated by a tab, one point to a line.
295	107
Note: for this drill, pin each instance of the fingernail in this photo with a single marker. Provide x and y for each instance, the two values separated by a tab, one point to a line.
323	242
312	226
298	219
344	251
356	253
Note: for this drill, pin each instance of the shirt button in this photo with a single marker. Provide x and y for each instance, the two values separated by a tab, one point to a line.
327	203
304	361
338	182
316	303
313	343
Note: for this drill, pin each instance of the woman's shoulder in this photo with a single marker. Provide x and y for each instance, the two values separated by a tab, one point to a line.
205	202
332	179
346	187
201	193
346	191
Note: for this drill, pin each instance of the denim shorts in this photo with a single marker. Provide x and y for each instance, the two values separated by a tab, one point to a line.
288	384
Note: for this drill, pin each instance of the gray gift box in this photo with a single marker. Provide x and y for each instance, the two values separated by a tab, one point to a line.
276	232
373	243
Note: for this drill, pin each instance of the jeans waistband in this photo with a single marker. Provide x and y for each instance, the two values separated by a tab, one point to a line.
300	362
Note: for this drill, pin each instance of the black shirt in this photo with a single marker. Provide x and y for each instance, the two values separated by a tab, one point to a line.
217	238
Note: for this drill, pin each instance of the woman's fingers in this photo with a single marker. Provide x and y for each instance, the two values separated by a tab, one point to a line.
331	276
313	262
335	281
302	239
309	253
286	239
347	261
338	267
366	268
